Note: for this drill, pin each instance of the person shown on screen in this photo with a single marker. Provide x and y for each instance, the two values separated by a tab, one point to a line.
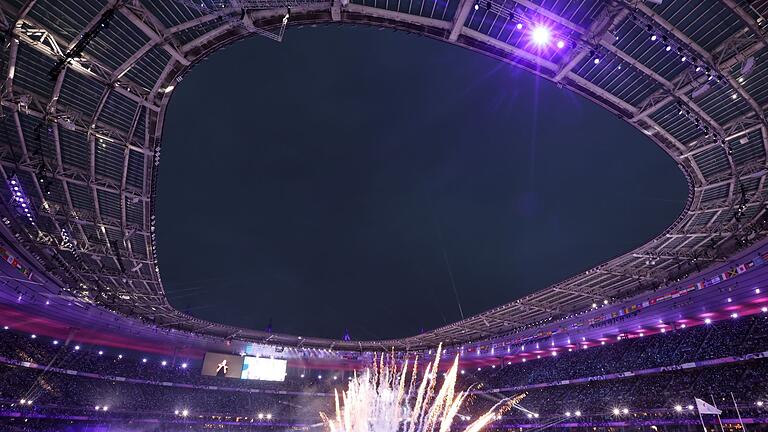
222	368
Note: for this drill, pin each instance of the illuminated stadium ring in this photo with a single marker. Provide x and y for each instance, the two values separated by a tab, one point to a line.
87	84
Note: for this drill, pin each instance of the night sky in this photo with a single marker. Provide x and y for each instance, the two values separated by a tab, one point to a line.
358	178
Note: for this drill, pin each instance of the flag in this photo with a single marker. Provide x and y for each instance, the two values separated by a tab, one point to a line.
705	408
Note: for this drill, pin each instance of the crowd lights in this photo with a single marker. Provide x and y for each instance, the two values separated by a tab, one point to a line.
20	200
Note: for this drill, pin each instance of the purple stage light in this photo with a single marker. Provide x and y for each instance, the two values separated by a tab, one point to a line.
560	44
519	26
541	35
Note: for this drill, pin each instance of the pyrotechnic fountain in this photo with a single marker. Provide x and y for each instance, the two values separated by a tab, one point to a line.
383	399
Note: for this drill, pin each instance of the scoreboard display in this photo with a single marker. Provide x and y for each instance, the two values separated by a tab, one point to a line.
244	367
263	369
222	365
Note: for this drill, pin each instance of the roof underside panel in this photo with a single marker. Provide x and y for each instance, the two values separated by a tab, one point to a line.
38	137
118	111
750	184
81	93
172	13
617	77
117	42
82	197
134	210
712	161
580	12
722	103
755	82
707	22
75	150
109	204
147	70
194	32
723	217
30	66
66	18
715	193
109	160
135	169
681	127
748	149
437	9
635	41
702	218
674	242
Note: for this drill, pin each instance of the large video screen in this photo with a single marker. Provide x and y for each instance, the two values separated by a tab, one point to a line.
264	369
222	365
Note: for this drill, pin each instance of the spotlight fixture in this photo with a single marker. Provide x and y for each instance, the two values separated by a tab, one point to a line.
541	35
20	200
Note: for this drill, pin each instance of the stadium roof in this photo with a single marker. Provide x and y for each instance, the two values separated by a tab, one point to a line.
87	83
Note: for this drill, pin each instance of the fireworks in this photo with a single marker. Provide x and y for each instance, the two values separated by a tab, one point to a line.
383	399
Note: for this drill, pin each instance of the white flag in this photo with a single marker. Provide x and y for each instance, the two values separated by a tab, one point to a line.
705	408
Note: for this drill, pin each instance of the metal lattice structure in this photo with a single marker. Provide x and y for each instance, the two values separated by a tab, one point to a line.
87	83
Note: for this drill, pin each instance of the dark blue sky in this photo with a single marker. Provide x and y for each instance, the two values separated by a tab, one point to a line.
350	177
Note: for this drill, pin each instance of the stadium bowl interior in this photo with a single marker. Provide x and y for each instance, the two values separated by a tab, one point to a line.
91	343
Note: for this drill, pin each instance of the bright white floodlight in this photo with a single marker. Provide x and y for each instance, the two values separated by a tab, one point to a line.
540	35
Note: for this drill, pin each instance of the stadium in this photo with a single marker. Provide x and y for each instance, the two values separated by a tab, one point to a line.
671	335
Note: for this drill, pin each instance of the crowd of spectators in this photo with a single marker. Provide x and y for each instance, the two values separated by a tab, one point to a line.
727	338
652	395
131	364
172	390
